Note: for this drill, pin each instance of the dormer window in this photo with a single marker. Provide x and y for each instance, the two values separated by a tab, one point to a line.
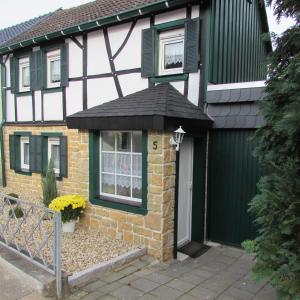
24	74
171	52
53	69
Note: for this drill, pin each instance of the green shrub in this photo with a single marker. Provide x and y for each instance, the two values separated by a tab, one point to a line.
11	201
49	185
18	212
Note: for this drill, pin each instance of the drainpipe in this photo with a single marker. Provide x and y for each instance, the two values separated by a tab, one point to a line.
3	92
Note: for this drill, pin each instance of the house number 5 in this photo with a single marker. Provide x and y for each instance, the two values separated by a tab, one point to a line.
154	145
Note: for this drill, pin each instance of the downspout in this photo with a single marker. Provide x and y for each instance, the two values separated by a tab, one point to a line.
3	98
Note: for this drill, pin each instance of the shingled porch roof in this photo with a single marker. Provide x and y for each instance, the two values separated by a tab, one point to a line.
161	107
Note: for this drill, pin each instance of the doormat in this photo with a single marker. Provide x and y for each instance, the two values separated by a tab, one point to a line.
193	249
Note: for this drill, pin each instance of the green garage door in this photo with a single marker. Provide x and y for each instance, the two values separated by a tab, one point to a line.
233	175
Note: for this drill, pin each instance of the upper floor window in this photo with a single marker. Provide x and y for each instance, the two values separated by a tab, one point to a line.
53	69
171	52
24	74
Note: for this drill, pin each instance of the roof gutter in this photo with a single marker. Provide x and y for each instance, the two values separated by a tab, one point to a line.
3	100
104	21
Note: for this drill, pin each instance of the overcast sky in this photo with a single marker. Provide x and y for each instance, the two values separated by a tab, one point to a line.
16	11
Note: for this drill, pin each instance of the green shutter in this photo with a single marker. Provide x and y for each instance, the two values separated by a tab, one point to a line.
63	156
12	74
12	151
64	58
44	154
148	52
35	153
17	153
42	69
32	64
191	42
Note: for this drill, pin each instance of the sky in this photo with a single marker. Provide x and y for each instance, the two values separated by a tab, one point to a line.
32	8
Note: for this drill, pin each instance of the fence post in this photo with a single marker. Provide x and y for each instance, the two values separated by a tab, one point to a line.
58	255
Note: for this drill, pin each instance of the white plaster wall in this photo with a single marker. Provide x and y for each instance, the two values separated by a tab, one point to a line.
10	107
101	90
193	91
195	11
53	107
75	58
132	83
98	62
117	35
74	97
38	105
179	85
24	108
170	16
130	56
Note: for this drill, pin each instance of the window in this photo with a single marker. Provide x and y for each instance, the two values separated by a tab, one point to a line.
25	153
24	74
53	69
171	52
54	153
121	166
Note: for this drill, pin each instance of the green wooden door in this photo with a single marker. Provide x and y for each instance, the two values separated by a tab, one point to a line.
233	175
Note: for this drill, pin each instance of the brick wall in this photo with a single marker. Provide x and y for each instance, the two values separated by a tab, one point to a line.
154	230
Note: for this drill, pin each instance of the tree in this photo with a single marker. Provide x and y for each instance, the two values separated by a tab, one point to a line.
276	208
49	185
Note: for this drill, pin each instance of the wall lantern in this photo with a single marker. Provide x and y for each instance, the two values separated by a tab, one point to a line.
177	138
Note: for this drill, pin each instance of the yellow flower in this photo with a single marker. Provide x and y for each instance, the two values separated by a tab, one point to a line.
60	203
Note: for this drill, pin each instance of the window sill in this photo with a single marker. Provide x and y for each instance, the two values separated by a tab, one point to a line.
169	78
23	93
115	203
23	172
52	90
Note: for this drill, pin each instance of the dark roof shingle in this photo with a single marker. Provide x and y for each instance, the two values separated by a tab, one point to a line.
161	102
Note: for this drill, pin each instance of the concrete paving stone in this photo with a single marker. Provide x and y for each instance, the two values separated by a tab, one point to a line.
93	296
110	287
187	297
147	297
112	277
126	293
225	297
215	266
192	278
165	292
202	273
159	278
32	296
203	293
238	293
140	263
77	295
129	279
232	252
107	297
249	285
94	286
144	285
128	270
225	259
267	293
180	285
215	286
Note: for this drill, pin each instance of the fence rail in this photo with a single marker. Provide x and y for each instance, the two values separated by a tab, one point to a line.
32	231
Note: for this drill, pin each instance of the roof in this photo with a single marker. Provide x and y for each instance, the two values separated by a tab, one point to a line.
236	108
71	18
9	34
161	107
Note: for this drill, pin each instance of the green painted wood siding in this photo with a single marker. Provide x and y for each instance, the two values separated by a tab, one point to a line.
233	175
238	52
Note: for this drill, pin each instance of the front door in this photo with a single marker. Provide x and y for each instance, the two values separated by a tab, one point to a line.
185	192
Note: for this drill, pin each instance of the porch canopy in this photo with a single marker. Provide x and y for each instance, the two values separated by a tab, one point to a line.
160	107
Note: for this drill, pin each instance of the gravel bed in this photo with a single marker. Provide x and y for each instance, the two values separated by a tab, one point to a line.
79	250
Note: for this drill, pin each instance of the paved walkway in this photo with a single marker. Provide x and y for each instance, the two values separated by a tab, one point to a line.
221	273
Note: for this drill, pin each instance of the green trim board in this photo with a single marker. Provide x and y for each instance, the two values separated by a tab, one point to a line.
170	25
94	177
169	78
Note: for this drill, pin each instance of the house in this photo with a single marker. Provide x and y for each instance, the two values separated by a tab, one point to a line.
6	35
101	88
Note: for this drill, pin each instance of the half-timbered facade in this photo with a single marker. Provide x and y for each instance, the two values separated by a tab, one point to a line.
101	87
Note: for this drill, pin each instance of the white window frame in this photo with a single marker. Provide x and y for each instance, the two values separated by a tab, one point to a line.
24	140
51	142
52	56
115	174
169	37
23	63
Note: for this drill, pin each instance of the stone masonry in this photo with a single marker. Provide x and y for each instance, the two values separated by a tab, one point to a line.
154	230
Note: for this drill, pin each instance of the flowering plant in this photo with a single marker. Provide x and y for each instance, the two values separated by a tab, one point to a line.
70	206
